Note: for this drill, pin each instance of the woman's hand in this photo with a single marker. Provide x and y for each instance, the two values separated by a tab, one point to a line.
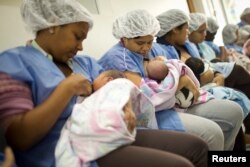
78	85
186	82
129	117
219	79
162	58
9	159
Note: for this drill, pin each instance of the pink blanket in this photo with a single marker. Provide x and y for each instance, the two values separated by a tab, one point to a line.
162	94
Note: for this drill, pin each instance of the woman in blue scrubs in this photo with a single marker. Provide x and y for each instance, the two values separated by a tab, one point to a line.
136	31
173	38
55	77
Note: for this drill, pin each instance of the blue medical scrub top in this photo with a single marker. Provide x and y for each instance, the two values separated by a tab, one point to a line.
122	59
31	66
215	47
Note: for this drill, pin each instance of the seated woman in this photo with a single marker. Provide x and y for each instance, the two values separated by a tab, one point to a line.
231	37
172	37
244	17
136	45
222	53
235	76
56	77
108	116
205	75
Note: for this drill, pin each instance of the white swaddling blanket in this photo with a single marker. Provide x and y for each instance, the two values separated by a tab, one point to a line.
97	127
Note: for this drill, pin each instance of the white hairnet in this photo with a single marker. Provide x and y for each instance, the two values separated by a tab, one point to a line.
170	20
246	28
243	35
229	33
196	20
42	14
135	23
245	12
212	25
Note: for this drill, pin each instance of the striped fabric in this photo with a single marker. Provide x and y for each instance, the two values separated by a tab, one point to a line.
15	97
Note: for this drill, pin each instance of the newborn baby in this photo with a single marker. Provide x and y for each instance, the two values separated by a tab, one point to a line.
103	79
157	70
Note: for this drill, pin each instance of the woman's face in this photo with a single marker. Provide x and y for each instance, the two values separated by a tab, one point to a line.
67	40
180	34
210	36
199	35
140	45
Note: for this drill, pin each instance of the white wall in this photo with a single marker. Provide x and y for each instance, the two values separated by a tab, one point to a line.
12	32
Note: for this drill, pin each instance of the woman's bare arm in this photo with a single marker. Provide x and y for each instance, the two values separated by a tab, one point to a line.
134	77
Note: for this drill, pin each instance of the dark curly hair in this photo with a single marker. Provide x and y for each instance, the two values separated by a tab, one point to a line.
196	65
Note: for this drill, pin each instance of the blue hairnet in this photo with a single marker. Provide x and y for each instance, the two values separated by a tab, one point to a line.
196	20
170	20
229	33
134	24
42	14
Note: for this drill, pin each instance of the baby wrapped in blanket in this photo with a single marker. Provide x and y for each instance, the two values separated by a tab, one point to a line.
103	122
162	82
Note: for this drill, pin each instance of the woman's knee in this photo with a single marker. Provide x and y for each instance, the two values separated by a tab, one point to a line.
226	113
195	143
232	116
134	156
206	129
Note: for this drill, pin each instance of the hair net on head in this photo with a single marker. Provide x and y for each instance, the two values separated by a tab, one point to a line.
246	28
196	20
135	23
212	25
42	14
243	35
229	33
245	12
170	20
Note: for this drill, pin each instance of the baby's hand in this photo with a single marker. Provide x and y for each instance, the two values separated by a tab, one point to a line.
129	117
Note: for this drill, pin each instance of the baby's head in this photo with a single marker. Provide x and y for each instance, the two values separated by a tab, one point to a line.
157	70
201	70
105	77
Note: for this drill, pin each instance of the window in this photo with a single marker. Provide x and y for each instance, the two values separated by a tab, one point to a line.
233	9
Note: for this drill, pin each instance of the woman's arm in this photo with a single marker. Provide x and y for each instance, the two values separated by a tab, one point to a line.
129	116
186	82
219	79
134	77
28	128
